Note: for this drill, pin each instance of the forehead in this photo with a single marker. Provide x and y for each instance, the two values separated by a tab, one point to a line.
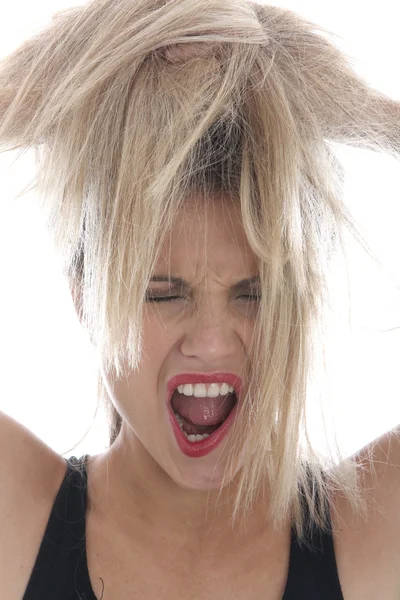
208	235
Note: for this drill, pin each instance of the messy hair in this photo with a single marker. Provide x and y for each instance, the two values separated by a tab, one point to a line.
134	106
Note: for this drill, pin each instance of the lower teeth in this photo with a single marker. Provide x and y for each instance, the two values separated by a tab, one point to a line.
193	437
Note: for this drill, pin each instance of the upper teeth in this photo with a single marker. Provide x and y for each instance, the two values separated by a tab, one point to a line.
200	390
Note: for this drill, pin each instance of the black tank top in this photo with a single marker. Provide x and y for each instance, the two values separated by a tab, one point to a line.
61	571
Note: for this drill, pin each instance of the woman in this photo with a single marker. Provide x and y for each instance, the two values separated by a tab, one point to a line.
186	172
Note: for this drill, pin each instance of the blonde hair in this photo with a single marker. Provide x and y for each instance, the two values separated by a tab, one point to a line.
132	106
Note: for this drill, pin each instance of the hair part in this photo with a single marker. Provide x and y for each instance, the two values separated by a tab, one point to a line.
128	119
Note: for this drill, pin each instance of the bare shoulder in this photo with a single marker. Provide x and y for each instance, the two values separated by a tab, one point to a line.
30	476
368	551
26	461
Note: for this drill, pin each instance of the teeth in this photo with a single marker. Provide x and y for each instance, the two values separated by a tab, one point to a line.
179	419
197	437
200	390
192	437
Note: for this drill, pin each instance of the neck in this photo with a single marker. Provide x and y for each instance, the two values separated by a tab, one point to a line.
133	494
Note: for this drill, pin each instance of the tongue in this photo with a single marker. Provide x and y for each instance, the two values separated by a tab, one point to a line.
203	411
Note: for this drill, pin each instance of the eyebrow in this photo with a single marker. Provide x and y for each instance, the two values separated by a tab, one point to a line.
178	282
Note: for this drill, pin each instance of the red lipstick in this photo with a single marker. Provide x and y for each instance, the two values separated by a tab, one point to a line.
203	447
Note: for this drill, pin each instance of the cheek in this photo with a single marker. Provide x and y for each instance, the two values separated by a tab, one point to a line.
157	340
139	389
135	401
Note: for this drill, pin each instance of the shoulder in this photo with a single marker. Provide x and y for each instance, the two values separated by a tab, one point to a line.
379	463
30	476
368	551
26	461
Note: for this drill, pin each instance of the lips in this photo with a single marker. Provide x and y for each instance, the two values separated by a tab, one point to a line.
201	448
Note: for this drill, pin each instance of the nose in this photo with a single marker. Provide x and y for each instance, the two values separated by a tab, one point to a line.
211	335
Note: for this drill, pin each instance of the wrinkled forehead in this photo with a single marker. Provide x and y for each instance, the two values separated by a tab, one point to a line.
208	238
203	218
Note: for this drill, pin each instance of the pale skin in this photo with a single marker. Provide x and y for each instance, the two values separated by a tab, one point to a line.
148	533
152	486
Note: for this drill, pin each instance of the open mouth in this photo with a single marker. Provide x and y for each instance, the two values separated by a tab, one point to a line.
199	431
200	424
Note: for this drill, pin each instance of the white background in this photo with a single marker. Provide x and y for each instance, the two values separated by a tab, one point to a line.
48	372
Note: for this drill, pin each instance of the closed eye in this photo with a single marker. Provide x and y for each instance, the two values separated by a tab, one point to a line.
249	297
